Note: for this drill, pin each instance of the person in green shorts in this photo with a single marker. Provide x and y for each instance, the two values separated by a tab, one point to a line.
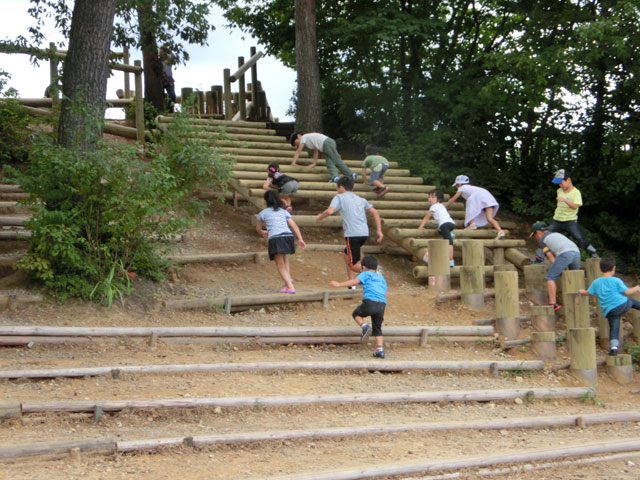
321	143
379	166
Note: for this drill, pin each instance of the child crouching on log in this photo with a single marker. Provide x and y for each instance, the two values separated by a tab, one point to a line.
373	303
286	185
280	230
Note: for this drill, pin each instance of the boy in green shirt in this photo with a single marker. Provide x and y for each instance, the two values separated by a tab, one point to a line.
565	218
378	165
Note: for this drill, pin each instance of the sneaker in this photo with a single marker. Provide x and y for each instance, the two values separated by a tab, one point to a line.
471	226
538	259
613	352
500	235
354	176
335	179
379	354
453	236
452	263
352	287
288	290
289	209
366	332
595	255
376	190
383	192
556	306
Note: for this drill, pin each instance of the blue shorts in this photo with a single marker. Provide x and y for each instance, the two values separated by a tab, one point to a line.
564	260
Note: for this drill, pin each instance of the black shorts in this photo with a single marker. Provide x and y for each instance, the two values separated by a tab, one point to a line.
375	310
282	244
352	249
445	231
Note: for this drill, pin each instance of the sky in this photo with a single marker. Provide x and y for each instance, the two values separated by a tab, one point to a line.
203	70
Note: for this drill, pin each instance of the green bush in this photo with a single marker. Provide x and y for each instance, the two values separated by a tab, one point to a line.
13	125
99	214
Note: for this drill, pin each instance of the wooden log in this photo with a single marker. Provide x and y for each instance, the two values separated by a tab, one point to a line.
571	281
543	318
423	242
635	318
324	340
620	368
265	401
439	268
387	366
506	344
422	272
593	271
577	315
106	445
544	345
516	257
360	189
535	283
281	435
582	344
498	256
433	232
506	267
492	321
458	463
507	304
472	252
472	285
456	296
228	112
140	133
10	410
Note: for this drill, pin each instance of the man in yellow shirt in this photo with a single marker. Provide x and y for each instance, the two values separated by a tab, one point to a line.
565	218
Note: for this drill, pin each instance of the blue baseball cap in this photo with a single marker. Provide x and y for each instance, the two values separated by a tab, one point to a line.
560	175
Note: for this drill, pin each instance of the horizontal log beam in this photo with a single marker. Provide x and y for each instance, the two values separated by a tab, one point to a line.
433	233
502	243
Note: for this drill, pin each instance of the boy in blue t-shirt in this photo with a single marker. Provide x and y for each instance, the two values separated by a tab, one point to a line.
373	303
613	298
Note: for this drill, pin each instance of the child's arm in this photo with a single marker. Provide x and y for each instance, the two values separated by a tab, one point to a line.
315	158
268	183
297	154
376	218
453	199
632	290
569	203
364	175
348	283
261	232
582	291
425	220
294	227
328	212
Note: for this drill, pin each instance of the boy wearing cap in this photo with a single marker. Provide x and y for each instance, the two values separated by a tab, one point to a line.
565	218
560	251
321	143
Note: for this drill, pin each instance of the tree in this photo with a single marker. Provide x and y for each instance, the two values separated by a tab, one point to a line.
308	102
86	69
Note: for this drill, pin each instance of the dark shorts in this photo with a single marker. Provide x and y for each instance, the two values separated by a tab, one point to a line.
289	188
567	259
376	175
375	310
282	244
352	249
445	230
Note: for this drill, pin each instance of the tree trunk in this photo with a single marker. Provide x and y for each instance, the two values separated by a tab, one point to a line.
86	69
153	91
308	103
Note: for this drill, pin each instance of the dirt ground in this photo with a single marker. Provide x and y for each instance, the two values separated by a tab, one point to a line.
409	304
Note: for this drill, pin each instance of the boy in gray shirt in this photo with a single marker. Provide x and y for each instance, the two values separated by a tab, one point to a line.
353	210
560	251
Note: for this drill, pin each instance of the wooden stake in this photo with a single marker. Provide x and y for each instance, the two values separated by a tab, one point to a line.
571	281
472	284
424	338
543	318
507	304
578	314
535	284
620	368
10	410
439	268
544	345
472	252
582	344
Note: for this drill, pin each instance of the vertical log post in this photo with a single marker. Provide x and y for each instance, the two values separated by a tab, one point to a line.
254	86
635	319
578	311
217	91
534	283
582	343
498	256
53	77
200	102
125	59
439	268
619	368
185	94
544	345
592	267
139	104
208	99
472	286
572	281
242	96
507	304
472	252
228	112
543	318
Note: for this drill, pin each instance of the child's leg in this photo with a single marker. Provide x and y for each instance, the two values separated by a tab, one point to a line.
281	265
350	268
614	331
489	213
551	291
287	266
358	319
286	199
378	183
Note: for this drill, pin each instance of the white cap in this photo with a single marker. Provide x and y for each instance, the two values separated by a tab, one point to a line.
461	180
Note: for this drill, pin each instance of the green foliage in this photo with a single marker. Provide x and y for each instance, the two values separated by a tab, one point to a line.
634	350
150	114
13	125
99	214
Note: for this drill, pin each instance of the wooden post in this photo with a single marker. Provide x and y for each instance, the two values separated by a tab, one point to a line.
592	267
218	95
635	319
544	345
424	337
10	410
262	105
53	75
572	281
578	311
139	104
498	256
472	252
208	100
325	300
200	101
505	267
254	85
472	285
534	283
582	343
227	305
125	60
228	112
242	98
543	318
507	304
619	368
186	93
439	268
